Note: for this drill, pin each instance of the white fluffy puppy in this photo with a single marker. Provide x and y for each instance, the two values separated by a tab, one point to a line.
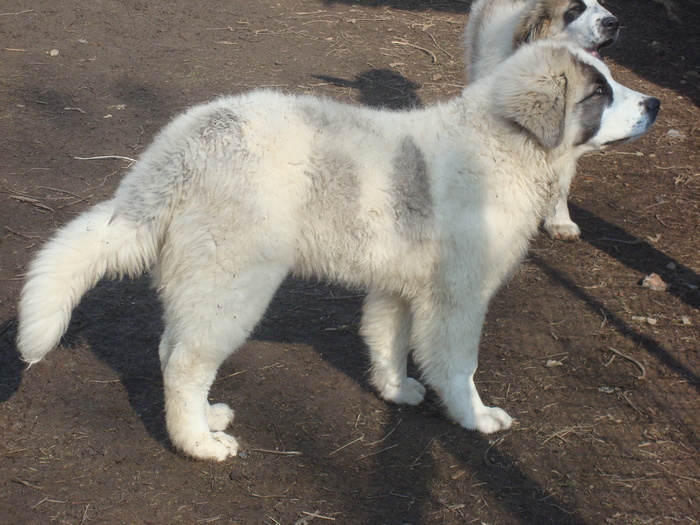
429	210
498	27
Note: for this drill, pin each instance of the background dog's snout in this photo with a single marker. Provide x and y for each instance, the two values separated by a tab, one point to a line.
611	23
652	105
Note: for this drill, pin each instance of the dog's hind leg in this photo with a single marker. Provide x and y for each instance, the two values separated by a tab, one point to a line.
220	415
208	315
386	328
446	338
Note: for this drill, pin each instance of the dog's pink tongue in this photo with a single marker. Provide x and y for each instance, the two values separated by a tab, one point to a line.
596	54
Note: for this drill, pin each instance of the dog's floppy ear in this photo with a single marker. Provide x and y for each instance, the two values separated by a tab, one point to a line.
533	25
532	92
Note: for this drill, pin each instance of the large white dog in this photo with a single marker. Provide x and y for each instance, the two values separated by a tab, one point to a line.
498	27
429	210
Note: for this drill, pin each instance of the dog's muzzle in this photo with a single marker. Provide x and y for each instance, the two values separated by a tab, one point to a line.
610	30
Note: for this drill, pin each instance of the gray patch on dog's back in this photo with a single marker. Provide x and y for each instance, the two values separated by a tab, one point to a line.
411	197
333	218
314	116
222	122
335	187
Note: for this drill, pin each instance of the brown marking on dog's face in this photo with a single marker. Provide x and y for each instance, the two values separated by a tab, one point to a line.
546	19
536	23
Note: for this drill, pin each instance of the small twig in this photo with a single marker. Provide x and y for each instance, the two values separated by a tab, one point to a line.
415	462
632	404
631	360
279	452
498	441
49	500
26	483
256	495
384	438
428	51
15	451
61	191
440	47
18	12
34	202
106	157
316	515
20	234
347	445
377	452
674	168
84	518
634	241
234	374
75	109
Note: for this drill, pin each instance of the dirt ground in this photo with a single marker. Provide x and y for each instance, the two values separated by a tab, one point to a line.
601	373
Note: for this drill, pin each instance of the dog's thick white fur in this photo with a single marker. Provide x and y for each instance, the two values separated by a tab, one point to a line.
497	27
429	210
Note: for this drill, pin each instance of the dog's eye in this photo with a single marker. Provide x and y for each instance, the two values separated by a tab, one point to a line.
601	89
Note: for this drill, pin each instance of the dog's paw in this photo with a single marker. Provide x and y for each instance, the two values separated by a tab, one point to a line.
564	231
408	392
493	419
213	446
219	416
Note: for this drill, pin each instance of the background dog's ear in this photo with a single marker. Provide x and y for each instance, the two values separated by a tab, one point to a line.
532	94
532	26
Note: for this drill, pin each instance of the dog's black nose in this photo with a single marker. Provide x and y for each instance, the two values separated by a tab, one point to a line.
611	23
652	105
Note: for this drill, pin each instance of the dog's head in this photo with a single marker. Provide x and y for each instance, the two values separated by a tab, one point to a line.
583	22
566	98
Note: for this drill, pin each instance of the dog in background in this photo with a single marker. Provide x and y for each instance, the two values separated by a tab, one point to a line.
429	210
496	28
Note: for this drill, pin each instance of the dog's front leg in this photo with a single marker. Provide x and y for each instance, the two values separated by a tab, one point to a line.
558	223
446	339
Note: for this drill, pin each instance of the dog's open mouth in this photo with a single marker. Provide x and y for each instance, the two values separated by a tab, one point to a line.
595	51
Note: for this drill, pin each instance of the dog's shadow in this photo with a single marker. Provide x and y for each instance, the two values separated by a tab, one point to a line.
11	365
383	88
121	323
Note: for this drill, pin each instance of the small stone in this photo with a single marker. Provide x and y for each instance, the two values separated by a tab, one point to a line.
551	363
53	53
607	389
653	281
652	321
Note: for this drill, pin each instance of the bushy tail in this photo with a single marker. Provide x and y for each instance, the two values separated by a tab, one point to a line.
94	245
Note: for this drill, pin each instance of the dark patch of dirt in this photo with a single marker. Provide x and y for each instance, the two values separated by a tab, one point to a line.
609	436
